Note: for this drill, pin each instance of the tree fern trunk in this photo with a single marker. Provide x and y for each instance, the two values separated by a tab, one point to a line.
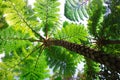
109	60
105	42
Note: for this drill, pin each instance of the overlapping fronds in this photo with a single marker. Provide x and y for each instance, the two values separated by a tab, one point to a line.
3	23
22	18
35	71
94	23
26	51
62	61
91	69
72	32
111	26
23	63
11	40
76	10
47	12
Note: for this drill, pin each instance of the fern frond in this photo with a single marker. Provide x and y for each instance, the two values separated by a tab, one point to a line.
27	55
72	32
61	60
95	20
40	53
10	40
35	68
4	74
19	9
3	23
76	10
47	11
22	63
111	26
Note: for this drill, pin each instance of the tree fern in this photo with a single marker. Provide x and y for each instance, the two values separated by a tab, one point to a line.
28	54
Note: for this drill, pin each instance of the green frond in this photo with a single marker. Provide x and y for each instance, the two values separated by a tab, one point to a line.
22	63
95	21
35	73
62	61
23	16
91	70
4	74
3	23
47	11
11	40
72	32
76	10
111	26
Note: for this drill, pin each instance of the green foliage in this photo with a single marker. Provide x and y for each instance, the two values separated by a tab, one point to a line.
47	12
3	23
111	26
23	64
26	56
39	72
4	73
102	25
22	19
72	32
91	70
76	10
62	60
96	18
11	40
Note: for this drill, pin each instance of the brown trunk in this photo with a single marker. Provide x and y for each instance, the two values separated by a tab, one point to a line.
105	42
112	41
109	60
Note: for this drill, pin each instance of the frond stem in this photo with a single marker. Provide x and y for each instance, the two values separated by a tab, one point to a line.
19	14
26	56
46	23
38	57
29	39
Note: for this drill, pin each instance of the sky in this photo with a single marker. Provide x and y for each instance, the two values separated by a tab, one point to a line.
1	55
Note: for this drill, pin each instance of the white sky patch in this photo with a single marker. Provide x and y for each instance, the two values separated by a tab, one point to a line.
31	2
1	56
62	17
80	68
